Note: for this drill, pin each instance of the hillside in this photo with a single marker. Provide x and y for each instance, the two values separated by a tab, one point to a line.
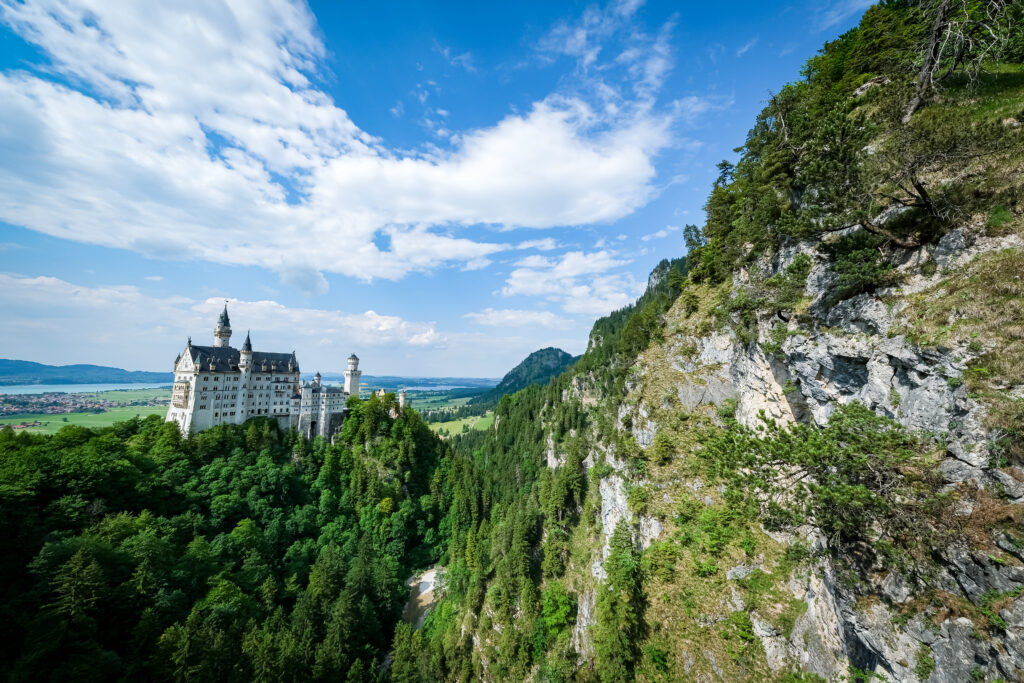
537	368
27	372
798	457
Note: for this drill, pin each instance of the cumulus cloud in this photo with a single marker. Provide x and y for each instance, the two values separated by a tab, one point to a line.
546	244
580	282
512	317
121	325
660	234
198	132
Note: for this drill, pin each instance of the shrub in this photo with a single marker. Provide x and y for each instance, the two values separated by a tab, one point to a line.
860	475
860	265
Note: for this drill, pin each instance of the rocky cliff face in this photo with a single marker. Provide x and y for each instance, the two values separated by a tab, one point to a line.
801	368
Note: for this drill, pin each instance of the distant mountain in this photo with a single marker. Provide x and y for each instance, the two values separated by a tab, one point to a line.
393	382
27	372
537	368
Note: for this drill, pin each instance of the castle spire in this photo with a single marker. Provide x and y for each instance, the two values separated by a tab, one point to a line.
222	332
247	346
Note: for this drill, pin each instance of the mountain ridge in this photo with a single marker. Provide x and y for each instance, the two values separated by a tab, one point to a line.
537	368
29	372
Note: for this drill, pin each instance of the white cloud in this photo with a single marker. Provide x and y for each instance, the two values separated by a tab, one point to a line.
511	317
123	326
830	14
746	46
660	234
578	281
198	133
546	244
463	60
155	278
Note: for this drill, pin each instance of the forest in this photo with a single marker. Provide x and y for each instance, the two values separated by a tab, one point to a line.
243	553
246	553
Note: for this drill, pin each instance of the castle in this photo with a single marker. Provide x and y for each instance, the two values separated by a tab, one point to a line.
220	384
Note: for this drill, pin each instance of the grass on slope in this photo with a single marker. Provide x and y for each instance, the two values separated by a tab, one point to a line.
479	422
981	306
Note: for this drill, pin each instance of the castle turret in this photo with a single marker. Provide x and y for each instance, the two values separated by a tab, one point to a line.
222	332
402	399
245	355
352	376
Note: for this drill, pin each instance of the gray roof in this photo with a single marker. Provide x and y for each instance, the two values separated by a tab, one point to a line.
225	359
224	321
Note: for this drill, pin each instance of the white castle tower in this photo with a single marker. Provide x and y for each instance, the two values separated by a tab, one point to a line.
222	332
352	376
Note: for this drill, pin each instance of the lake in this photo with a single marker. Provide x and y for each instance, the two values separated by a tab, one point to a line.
77	388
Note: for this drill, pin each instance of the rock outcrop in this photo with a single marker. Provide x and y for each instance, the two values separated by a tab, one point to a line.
849	351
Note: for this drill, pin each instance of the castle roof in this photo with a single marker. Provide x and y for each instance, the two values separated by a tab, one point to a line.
225	359
353	357
224	321
247	346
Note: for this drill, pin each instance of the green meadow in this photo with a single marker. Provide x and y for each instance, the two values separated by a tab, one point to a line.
51	424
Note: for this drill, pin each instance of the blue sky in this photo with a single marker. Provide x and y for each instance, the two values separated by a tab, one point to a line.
440	187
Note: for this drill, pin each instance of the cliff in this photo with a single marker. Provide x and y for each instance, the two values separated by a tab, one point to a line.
951	616
800	455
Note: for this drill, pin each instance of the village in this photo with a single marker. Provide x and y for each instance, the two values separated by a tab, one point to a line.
57	403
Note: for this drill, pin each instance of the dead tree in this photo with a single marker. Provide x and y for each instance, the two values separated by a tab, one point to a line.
964	35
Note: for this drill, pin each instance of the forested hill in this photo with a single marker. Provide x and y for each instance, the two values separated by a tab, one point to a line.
537	368
798	457
27	372
240	554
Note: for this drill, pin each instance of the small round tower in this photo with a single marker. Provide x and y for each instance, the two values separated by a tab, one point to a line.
245	355
352	376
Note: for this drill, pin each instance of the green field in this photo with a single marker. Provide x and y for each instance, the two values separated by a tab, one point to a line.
479	422
53	423
130	395
433	400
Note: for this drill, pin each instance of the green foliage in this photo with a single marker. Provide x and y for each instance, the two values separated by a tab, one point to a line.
999	217
537	368
860	264
738	632
658	657
242	553
924	663
662	449
619	611
558	613
860	475
787	619
819	159
617	339
659	560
